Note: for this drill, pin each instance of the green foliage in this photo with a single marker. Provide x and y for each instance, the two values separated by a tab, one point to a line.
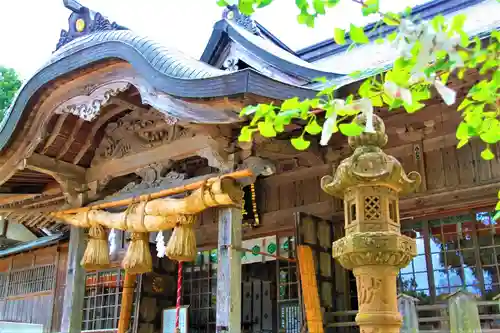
370	7
419	72
9	85
339	36
358	35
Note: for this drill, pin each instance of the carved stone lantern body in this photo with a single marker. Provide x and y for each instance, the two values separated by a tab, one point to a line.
369	182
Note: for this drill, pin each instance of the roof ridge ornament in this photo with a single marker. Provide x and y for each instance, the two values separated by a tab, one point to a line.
83	21
232	13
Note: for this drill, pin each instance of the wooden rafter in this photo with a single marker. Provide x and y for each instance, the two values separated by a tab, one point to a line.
71	138
55	132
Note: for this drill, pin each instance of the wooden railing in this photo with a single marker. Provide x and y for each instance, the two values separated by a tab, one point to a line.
432	318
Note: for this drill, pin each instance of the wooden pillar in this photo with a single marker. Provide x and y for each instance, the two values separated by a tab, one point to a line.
75	284
228	317
127	302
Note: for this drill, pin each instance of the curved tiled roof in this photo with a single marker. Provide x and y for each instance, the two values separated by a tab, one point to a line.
166	69
165	60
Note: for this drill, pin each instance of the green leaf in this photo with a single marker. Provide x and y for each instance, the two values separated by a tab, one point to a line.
458	21
392	36
414	107
391	19
379	41
377	101
319	6
351	129
487	154
462	131
313	127
300	143
290	104
407	11
332	3
357	35
222	3
438	22
497	214
266	129
248	110
370	7
339	36
246	134
462	143
364	89
466	102
305	18
264	3
246	7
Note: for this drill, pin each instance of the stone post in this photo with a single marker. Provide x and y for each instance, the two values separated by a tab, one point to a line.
370	182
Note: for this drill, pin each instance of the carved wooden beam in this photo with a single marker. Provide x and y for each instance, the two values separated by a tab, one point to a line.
177	150
70	177
55	168
103	119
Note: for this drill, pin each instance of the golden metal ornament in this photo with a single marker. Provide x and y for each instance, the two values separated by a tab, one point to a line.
80	25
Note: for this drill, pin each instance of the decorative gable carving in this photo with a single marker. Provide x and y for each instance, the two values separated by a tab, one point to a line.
94	96
138	131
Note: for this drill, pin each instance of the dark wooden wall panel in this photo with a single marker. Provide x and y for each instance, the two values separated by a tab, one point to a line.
62	268
5	264
43	307
34	310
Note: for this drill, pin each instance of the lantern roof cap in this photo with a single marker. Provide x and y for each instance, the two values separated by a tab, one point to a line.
369	164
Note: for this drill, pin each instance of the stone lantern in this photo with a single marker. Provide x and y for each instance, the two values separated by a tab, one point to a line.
370	182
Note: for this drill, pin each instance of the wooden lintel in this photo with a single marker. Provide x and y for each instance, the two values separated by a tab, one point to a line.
55	168
298	174
422	205
176	150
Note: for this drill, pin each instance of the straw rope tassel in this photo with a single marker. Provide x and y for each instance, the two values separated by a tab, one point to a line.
182	244
96	255
178	303
138	258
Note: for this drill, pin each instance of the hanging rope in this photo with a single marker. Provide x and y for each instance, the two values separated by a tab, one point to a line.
179	292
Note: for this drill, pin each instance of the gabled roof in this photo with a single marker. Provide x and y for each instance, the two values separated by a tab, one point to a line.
259	42
89	41
425	11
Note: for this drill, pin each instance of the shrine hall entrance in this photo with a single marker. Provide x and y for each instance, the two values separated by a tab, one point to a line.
269	288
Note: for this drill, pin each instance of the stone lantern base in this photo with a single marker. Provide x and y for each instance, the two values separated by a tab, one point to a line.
375	258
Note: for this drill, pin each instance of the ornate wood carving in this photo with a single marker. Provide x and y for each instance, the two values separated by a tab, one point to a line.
136	132
153	176
88	105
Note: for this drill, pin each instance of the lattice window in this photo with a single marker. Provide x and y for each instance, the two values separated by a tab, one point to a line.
199	290
32	280
3	285
372	208
289	312
102	300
